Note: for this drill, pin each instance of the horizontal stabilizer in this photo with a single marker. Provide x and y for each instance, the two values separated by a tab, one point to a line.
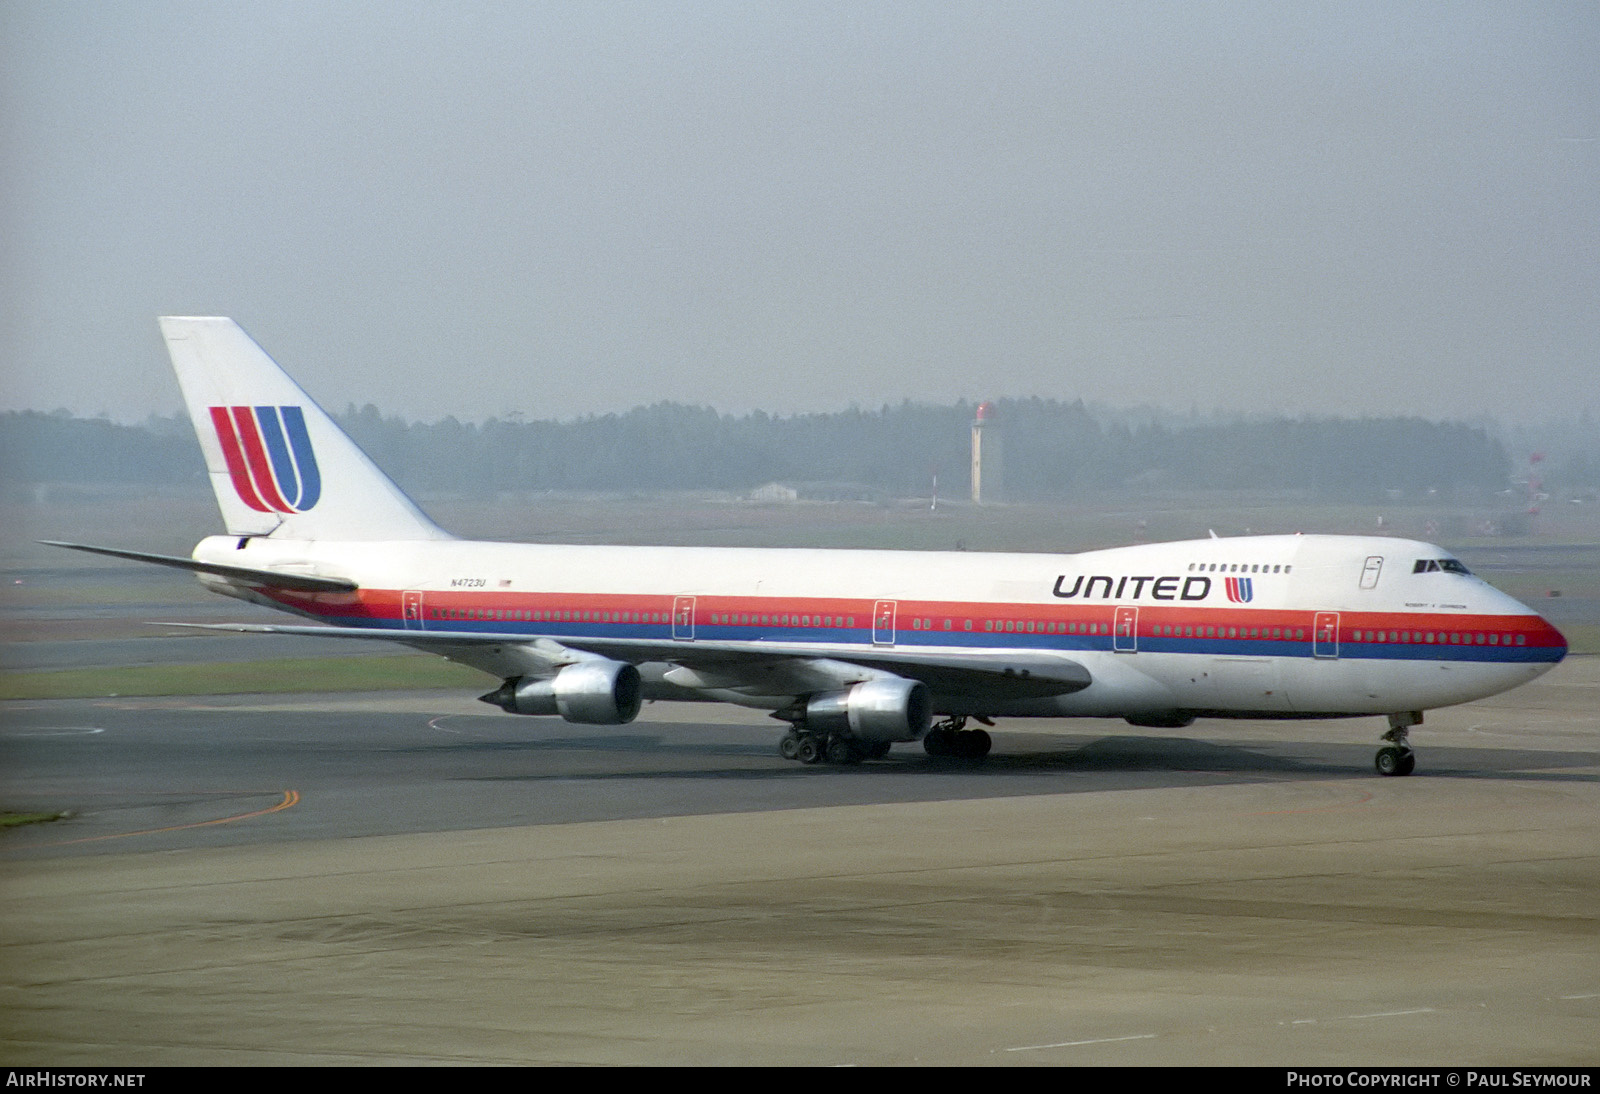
299	583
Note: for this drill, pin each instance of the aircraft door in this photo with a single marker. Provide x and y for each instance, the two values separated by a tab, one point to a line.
683	618
1370	572
411	609
1125	631
883	623
1325	635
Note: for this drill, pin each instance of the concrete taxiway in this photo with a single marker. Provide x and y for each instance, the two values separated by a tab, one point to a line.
418	879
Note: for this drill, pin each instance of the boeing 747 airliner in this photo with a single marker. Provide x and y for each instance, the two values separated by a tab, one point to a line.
856	650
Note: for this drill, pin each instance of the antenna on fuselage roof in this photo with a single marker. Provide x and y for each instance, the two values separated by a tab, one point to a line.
1213	532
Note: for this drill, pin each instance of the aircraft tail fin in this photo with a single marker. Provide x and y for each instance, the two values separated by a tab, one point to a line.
278	464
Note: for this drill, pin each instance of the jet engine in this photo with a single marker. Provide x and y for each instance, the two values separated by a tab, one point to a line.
877	710
599	692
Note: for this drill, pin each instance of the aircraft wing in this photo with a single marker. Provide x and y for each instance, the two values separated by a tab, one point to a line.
784	667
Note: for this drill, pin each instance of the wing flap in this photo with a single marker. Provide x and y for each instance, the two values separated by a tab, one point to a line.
1009	674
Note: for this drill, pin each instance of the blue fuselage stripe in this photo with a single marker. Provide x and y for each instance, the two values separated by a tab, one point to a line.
1066	643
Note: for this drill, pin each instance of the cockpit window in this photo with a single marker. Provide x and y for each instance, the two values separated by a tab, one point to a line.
1432	565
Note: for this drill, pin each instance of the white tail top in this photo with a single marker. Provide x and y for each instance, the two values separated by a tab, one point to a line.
278	464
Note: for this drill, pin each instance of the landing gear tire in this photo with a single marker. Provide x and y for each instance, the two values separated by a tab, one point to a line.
843	751
1396	758
948	739
1395	761
838	749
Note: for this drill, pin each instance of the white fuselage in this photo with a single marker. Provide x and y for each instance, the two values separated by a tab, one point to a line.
1270	626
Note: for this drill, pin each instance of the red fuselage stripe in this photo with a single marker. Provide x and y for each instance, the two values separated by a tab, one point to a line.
439	608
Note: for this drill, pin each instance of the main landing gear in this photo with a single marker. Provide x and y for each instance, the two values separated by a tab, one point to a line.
949	739
816	748
1397	758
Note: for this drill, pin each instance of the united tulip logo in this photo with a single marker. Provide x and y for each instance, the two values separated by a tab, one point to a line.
269	457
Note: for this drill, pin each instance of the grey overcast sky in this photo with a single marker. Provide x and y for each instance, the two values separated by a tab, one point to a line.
565	208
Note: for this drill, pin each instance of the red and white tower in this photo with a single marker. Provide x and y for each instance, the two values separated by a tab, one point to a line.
988	457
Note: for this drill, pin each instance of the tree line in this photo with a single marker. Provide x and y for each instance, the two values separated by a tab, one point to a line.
1052	449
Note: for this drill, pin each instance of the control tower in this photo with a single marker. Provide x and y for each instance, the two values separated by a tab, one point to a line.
988	457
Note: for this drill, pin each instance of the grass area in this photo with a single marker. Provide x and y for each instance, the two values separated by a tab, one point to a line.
706	518
54	592
55	585
245	678
17	820
287	675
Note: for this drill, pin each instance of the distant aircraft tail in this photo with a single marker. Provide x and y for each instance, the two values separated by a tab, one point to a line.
278	464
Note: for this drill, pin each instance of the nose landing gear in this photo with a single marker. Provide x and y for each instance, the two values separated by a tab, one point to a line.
1397	757
1395	761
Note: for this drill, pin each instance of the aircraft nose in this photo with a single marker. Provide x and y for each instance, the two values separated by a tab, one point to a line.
1555	639
1544	642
